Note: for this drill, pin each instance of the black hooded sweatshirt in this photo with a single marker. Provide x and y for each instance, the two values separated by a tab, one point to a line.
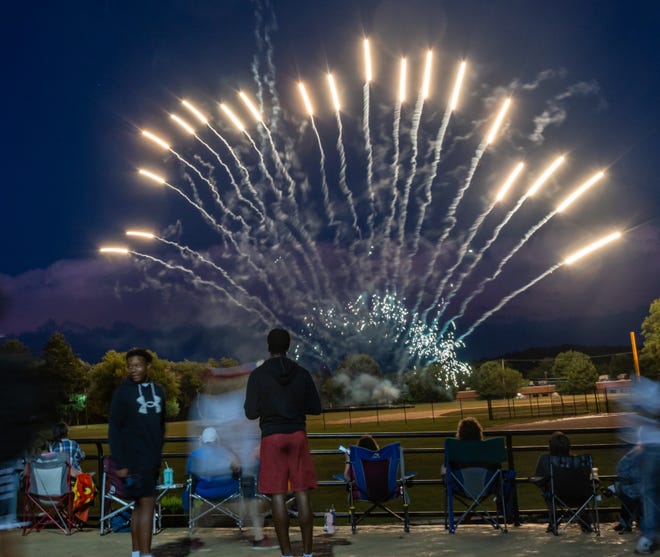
136	428
280	393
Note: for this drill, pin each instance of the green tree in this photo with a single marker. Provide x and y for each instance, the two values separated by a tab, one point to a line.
426	384
69	373
542	371
191	377
576	371
14	347
357	364
650	353
493	380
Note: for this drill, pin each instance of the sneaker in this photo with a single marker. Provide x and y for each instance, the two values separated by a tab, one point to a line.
265	543
644	546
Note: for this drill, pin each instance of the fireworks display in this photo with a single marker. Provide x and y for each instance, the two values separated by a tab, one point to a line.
344	229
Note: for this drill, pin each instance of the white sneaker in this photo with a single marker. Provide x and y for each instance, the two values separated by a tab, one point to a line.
644	546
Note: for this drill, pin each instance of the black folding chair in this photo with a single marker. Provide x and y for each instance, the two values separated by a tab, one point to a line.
573	495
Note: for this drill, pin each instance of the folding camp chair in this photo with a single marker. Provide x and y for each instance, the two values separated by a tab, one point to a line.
473	475
379	476
48	498
116	508
208	497
573	496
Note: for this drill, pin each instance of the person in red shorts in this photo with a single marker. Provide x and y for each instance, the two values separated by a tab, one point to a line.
281	393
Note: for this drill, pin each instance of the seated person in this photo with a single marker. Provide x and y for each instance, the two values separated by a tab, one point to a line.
558	445
469	429
366	442
214	467
61	444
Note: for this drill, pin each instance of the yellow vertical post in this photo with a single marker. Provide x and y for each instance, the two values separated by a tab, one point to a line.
634	351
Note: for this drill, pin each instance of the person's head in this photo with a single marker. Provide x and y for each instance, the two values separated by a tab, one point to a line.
138	363
559	444
209	436
368	442
60	431
279	341
469	429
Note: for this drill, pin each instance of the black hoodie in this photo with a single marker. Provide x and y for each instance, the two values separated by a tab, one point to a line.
136	429
280	393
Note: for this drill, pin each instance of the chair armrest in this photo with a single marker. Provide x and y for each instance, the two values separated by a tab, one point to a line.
408	478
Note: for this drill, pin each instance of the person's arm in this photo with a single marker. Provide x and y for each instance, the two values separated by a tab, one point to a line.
162	418
115	427
79	454
348	470
251	405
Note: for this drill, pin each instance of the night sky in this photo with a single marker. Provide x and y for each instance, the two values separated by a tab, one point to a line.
83	78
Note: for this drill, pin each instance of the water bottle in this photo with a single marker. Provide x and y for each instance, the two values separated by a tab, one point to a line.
168	475
329	525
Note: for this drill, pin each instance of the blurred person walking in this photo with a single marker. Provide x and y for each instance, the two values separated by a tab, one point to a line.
646	401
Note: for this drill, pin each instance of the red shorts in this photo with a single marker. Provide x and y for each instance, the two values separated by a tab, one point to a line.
286	464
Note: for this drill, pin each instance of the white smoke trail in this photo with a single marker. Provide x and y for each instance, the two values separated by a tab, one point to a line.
370	161
244	171
395	192
343	185
472	232
257	301
232	181
506	300
403	211
480	287
507	257
451	212
199	281
324	181
428	194
218	226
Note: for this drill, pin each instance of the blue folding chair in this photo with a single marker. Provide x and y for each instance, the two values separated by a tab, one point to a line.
378	477
473	475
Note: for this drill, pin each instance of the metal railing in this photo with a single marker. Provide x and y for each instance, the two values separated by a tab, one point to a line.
516	442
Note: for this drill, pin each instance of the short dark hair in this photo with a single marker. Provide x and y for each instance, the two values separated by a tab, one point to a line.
141	352
368	442
559	444
60	431
279	341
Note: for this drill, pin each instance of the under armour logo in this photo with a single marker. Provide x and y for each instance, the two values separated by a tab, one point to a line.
144	404
155	403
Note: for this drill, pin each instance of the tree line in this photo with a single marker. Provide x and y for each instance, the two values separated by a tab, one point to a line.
82	391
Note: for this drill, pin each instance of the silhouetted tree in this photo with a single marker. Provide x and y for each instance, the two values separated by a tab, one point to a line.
70	374
577	371
650	353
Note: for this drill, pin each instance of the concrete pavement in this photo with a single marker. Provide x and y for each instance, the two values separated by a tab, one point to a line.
377	541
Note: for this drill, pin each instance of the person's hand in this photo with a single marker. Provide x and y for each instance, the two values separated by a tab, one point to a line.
122	473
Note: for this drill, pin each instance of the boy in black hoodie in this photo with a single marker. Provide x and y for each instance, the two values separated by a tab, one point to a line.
136	432
280	393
